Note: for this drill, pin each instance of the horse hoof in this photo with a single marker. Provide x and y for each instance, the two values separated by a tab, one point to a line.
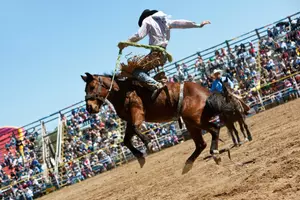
246	140
249	138
187	167
141	161
217	158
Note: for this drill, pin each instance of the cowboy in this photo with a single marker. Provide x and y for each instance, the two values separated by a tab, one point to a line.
217	86
157	25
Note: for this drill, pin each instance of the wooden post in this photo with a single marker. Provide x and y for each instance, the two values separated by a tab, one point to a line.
123	152
296	86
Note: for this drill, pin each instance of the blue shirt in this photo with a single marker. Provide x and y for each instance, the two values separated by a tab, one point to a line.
217	85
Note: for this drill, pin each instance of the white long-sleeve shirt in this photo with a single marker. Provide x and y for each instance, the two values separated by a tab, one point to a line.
158	26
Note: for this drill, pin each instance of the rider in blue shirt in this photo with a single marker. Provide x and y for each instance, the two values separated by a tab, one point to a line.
217	85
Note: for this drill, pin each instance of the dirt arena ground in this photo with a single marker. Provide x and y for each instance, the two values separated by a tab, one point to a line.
267	168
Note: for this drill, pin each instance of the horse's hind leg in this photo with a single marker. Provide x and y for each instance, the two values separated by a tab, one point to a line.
236	134
230	130
200	145
249	136
242	129
127	142
243	122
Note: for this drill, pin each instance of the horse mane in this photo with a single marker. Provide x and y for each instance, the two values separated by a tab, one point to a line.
108	75
111	74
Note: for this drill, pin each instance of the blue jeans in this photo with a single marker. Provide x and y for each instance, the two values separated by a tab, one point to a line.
185	71
142	76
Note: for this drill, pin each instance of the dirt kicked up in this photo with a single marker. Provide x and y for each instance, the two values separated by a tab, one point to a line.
267	168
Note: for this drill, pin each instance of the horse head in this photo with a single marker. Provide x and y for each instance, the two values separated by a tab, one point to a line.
97	89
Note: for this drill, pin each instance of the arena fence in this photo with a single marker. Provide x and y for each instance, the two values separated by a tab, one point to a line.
56	169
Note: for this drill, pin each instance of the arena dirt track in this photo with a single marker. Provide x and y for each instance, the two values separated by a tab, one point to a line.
267	168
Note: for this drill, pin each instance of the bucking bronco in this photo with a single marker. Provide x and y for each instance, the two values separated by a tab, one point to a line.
194	103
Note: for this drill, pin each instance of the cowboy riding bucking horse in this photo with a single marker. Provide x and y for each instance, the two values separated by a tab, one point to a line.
156	25
188	101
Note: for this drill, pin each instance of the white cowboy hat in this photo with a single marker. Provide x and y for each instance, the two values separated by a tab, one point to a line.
217	71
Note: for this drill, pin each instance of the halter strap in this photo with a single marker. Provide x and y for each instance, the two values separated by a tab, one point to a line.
96	95
180	100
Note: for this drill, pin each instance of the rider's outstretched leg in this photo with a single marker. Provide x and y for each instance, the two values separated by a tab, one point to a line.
153	60
151	84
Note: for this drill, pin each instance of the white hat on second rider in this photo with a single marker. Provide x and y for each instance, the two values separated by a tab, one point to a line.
217	71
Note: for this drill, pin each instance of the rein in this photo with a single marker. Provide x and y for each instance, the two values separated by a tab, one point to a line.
96	95
152	47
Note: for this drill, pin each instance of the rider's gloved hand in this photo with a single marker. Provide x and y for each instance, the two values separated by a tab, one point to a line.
121	45
204	23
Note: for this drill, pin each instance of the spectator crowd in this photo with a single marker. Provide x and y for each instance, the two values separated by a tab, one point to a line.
249	65
21	168
93	144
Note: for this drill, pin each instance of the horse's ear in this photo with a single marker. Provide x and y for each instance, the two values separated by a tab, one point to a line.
89	76
84	78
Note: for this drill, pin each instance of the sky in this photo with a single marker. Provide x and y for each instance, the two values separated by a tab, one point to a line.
46	45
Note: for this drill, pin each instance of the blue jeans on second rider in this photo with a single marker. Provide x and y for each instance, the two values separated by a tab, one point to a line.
143	76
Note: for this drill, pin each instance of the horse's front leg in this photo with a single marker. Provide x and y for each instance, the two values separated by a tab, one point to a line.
145	139
214	130
137	118
127	142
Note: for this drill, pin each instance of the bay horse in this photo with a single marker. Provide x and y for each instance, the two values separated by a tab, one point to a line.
233	110
236	116
134	105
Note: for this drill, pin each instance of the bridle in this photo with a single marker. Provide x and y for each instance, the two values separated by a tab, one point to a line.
96	94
